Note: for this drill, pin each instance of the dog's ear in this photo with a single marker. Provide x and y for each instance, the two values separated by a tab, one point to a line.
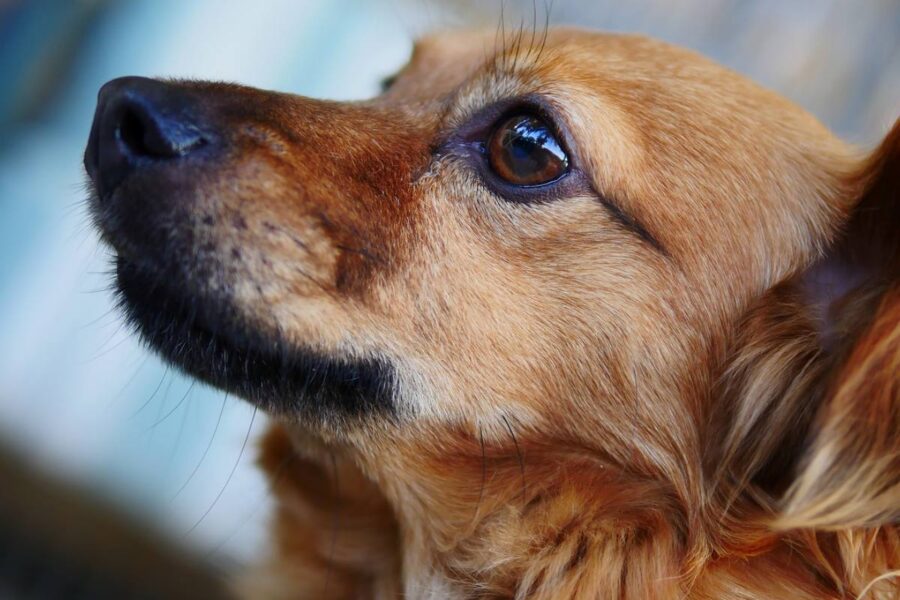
809	409
849	471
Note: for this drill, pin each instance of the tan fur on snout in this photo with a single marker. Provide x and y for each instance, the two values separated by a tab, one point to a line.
642	388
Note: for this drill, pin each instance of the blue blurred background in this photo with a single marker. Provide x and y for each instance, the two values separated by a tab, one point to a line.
80	399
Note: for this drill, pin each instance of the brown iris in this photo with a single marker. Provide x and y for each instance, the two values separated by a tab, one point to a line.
524	151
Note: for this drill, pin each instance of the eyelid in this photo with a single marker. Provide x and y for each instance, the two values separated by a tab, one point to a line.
468	141
480	125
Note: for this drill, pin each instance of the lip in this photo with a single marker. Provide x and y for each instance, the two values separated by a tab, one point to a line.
202	336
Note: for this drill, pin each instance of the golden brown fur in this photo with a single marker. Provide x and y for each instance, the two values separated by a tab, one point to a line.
710	410
623	423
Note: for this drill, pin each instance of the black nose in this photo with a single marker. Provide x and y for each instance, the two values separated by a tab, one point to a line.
139	122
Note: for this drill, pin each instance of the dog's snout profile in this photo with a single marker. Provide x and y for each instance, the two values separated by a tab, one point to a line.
138	122
542	320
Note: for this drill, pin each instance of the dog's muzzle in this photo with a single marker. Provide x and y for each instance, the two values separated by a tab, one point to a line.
159	156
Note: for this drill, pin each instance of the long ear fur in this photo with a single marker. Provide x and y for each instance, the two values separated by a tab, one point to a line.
850	475
805	436
809	408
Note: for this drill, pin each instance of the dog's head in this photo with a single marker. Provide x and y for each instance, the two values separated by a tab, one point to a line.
586	244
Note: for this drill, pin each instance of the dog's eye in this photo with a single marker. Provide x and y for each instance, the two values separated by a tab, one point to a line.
387	82
523	151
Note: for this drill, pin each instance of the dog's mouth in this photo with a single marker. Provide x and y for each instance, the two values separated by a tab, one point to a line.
206	339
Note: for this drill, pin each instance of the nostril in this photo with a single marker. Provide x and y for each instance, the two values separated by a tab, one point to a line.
143	132
132	133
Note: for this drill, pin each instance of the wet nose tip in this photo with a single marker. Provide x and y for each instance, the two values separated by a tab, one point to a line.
138	122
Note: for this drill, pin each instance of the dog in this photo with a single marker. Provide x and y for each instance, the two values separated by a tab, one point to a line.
558	314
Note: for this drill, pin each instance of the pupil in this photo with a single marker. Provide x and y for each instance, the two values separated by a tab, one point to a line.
523	151
528	146
522	147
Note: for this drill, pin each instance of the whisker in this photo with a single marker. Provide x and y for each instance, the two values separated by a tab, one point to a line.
483	475
205	452
365	252
516	46
548	8
178	438
531	45
162	407
177	405
497	41
152	396
107	289
518	456
279	472
315	281
502	51
127	383
103	350
93	322
230	475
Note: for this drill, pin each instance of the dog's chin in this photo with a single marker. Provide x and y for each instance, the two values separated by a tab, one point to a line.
205	339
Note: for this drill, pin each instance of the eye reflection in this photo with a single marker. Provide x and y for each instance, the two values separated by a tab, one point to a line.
524	151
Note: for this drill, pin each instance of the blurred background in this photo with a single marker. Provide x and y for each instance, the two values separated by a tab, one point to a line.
120	478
